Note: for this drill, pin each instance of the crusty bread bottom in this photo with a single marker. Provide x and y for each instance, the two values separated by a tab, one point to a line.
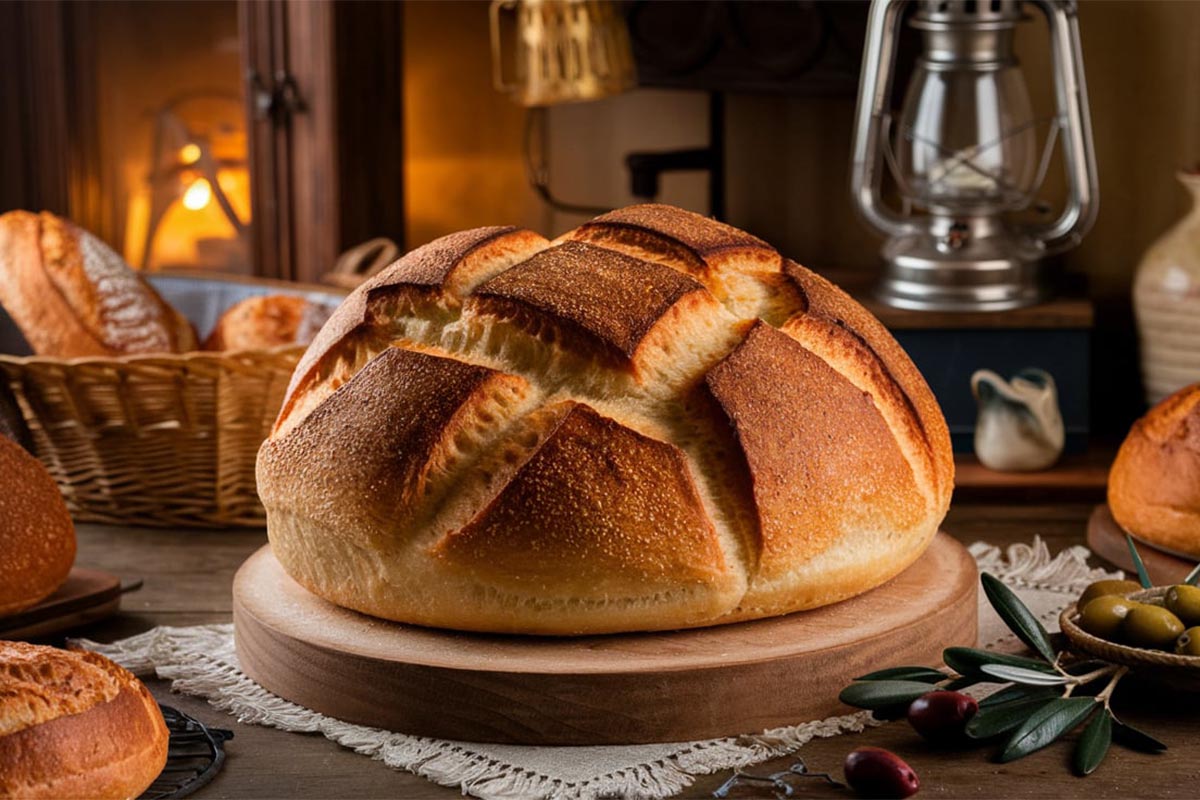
384	583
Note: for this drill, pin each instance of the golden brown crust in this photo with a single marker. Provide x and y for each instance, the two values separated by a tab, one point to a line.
94	731
262	323
892	370
374	445
597	510
697	431
1154	484
664	233
72	295
604	298
444	270
816	448
37	538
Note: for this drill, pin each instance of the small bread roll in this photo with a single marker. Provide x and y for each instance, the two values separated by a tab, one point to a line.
72	295
1154	485
260	323
74	724
37	539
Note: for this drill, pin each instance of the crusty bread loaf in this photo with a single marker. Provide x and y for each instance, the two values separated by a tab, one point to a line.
72	295
261	323
37	538
654	422
74	724
1154	484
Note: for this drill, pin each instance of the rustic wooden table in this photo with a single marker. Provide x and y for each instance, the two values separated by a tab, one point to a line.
187	582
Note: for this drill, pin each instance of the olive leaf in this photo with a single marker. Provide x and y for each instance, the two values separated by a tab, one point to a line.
923	674
1094	743
889	713
1018	693
1129	736
1047	724
995	720
958	684
1019	619
881	694
1028	677
968	661
1193	577
1143	576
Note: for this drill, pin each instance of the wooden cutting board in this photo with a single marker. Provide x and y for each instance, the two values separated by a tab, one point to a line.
614	689
88	595
1106	538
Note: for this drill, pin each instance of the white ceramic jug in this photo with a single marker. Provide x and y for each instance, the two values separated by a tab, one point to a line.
1020	427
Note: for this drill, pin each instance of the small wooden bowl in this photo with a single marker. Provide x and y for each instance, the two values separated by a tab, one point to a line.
1175	671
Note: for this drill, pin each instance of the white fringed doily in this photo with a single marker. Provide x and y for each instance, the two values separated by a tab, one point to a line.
200	661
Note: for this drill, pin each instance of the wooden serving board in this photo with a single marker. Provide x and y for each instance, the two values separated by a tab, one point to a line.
613	689
1106	538
88	595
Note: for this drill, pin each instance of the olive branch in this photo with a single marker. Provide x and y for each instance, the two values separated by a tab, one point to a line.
1044	697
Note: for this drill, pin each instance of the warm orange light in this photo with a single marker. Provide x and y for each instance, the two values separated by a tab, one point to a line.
198	195
189	153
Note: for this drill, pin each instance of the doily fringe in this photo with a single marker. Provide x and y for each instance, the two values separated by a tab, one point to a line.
201	661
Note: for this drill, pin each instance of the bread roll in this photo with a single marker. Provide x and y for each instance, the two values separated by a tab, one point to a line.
261	323
72	295
1154	484
74	724
654	422
37	538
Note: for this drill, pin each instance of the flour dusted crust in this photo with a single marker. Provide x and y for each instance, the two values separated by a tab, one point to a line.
74	724
72	295
1154	484
37	538
655	421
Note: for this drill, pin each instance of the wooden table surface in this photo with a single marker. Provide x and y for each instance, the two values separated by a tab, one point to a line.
187	581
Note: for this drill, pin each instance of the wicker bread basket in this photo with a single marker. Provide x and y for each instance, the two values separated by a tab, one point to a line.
158	440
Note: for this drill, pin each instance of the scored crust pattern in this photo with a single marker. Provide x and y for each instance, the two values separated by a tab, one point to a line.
655	421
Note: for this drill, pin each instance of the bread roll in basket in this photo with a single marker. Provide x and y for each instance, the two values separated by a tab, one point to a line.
654	422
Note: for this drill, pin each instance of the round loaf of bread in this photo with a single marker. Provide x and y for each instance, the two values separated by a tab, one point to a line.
72	295
261	323
1154	484
654	422
37	538
74	724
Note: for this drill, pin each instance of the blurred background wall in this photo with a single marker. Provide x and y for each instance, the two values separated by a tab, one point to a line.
788	157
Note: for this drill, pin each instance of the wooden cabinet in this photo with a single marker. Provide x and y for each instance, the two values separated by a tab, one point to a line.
320	82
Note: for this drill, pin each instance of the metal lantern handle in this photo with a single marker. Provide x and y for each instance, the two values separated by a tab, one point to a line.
1079	153
873	115
874	90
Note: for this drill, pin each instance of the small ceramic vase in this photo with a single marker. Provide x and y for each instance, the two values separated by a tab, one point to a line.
1020	427
1166	298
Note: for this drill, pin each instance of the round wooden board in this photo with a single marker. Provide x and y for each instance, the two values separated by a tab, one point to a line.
87	595
613	689
1106	538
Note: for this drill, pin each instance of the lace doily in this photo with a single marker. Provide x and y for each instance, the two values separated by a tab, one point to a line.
201	661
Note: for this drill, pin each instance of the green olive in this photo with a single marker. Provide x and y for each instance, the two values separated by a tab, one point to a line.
1150	626
1184	602
1104	616
1188	644
1102	588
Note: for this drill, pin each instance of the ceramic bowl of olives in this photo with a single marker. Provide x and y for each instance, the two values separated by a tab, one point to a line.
1155	632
